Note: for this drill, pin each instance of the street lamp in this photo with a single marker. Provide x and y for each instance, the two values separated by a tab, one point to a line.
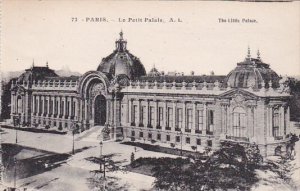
15	173
181	142
17	120
74	131
100	158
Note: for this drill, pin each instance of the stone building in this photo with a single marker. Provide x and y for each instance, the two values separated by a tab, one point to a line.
250	104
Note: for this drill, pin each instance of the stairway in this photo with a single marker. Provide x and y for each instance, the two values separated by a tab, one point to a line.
92	135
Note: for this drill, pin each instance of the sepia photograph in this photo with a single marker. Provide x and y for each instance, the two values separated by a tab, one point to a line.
149	95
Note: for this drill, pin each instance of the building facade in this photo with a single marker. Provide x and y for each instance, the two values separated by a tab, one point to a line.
249	105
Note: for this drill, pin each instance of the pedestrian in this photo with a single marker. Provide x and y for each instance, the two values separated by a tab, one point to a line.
134	149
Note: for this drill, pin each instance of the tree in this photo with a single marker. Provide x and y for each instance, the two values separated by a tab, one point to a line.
194	148
230	167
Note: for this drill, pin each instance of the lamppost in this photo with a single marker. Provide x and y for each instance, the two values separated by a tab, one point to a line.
181	142
15	173
74	131
17	123
100	158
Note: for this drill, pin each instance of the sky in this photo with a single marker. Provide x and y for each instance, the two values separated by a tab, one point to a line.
46	31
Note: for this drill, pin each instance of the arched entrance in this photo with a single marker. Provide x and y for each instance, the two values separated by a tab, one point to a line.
100	110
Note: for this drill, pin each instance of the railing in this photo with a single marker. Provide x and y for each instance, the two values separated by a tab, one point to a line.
246	139
177	129
278	138
150	126
188	130
168	128
198	131
209	133
158	127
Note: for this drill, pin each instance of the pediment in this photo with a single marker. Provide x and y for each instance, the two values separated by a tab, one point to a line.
238	94
18	88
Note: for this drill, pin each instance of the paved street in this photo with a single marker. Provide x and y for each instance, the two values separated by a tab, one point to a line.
73	174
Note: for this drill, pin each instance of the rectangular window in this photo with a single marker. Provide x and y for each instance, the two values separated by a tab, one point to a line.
56	107
135	114
133	133
62	108
189	119
168	137
149	135
46	106
144	115
73	108
199	122
160	116
177	138
68	107
151	121
170	117
40	106
187	140
141	134
179	118
158	137
210	121
198	141
50	106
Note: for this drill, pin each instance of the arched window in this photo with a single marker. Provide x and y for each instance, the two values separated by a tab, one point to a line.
275	129
239	122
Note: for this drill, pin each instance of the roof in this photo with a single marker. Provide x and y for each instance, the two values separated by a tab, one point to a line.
252	72
179	79
37	73
121	61
69	78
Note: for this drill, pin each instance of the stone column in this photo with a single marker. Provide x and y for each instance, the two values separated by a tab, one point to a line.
184	116
112	111
229	126
53	105
288	120
281	120
59	107
129	112
48	107
38	104
80	104
204	118
155	113
12	101
165	111
270	121
174	115
70	106
64	106
194	117
148	113
43	105
75	108
85	109
138	113
33	105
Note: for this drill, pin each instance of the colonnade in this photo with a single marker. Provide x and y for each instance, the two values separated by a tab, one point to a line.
54	110
193	118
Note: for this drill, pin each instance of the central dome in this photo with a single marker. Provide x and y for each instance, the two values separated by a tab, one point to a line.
122	62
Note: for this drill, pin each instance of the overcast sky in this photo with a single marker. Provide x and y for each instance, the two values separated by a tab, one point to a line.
44	31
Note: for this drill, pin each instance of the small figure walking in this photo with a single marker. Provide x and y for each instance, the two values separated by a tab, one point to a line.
135	149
